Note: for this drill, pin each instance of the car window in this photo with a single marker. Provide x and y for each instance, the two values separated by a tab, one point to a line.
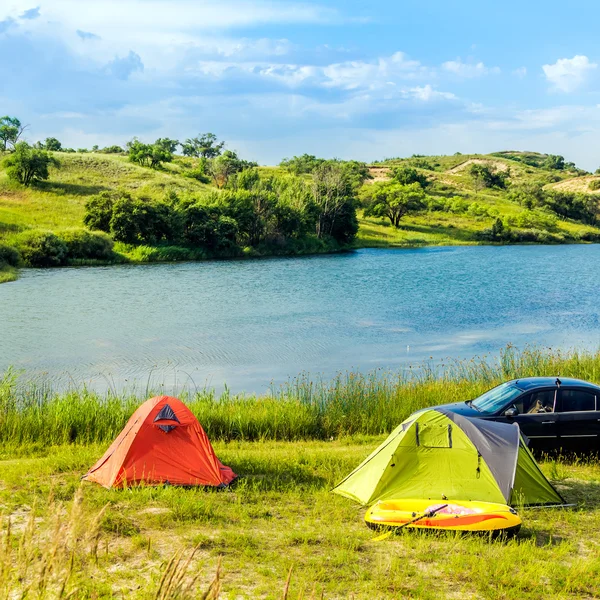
537	402
496	398
577	400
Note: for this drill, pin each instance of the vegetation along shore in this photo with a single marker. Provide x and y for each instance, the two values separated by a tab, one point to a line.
279	532
195	200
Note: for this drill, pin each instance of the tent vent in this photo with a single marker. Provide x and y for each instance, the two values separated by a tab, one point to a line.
166	414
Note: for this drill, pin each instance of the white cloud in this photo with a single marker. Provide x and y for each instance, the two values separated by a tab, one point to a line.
467	70
386	69
521	72
568	74
427	93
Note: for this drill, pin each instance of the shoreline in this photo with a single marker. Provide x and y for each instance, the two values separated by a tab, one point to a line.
10	274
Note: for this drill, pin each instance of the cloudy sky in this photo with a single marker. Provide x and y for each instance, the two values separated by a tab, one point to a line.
349	78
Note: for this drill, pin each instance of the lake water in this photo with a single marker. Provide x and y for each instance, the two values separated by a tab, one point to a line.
248	323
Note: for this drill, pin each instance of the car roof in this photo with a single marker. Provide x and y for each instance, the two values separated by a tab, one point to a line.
527	383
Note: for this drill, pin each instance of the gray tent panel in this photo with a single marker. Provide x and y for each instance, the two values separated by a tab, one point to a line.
498	444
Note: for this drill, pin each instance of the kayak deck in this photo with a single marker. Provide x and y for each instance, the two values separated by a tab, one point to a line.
447	515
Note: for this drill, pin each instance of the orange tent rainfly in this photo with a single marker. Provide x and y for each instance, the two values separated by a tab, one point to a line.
163	442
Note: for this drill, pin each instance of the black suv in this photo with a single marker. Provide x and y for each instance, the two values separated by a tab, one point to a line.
554	413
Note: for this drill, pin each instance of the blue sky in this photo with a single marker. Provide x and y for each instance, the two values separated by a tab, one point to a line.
349	79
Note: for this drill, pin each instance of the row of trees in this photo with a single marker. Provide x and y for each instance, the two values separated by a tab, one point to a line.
250	211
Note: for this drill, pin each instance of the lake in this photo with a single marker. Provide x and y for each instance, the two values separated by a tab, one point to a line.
249	323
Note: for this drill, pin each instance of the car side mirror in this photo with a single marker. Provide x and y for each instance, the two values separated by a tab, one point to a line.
511	412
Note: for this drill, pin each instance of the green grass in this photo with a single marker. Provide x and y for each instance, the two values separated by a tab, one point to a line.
8	273
281	515
305	408
62	539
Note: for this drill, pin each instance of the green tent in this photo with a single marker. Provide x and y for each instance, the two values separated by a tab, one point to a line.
439	455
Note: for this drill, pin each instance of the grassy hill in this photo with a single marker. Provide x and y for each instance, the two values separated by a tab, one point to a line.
450	178
462	213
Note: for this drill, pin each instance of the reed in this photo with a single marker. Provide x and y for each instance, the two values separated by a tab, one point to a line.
305	408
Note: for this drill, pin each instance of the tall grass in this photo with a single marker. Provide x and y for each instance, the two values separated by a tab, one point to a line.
304	408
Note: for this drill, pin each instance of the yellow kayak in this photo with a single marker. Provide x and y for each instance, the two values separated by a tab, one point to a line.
455	515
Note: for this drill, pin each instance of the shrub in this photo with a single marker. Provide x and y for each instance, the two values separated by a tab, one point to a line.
98	212
530	219
299	165
9	256
41	249
595	184
488	176
137	221
83	244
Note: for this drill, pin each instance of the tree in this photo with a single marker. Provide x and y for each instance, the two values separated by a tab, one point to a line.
205	145
224	166
299	165
11	130
52	144
554	161
27	165
335	202
152	155
497	228
137	221
394	200
488	176
98	212
407	176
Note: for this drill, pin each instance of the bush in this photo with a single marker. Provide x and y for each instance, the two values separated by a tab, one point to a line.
98	212
9	256
84	244
530	219
137	221
594	185
41	249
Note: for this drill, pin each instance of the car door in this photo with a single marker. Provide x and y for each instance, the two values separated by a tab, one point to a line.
537	419
578	419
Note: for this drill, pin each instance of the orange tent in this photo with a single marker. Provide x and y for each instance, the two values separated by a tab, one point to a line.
162	442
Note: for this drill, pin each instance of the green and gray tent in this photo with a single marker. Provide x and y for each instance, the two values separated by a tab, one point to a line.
437	454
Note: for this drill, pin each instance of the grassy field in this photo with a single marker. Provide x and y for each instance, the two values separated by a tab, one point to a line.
279	532
59	203
64	539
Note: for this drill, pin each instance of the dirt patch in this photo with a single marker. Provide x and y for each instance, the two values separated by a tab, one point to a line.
577	184
378	174
500	166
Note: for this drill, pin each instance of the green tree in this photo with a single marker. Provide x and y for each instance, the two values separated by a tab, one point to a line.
335	202
98	212
488	176
27	165
394	200
223	167
555	162
407	176
137	221
152	155
300	165
52	144
11	130
497	228
205	145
